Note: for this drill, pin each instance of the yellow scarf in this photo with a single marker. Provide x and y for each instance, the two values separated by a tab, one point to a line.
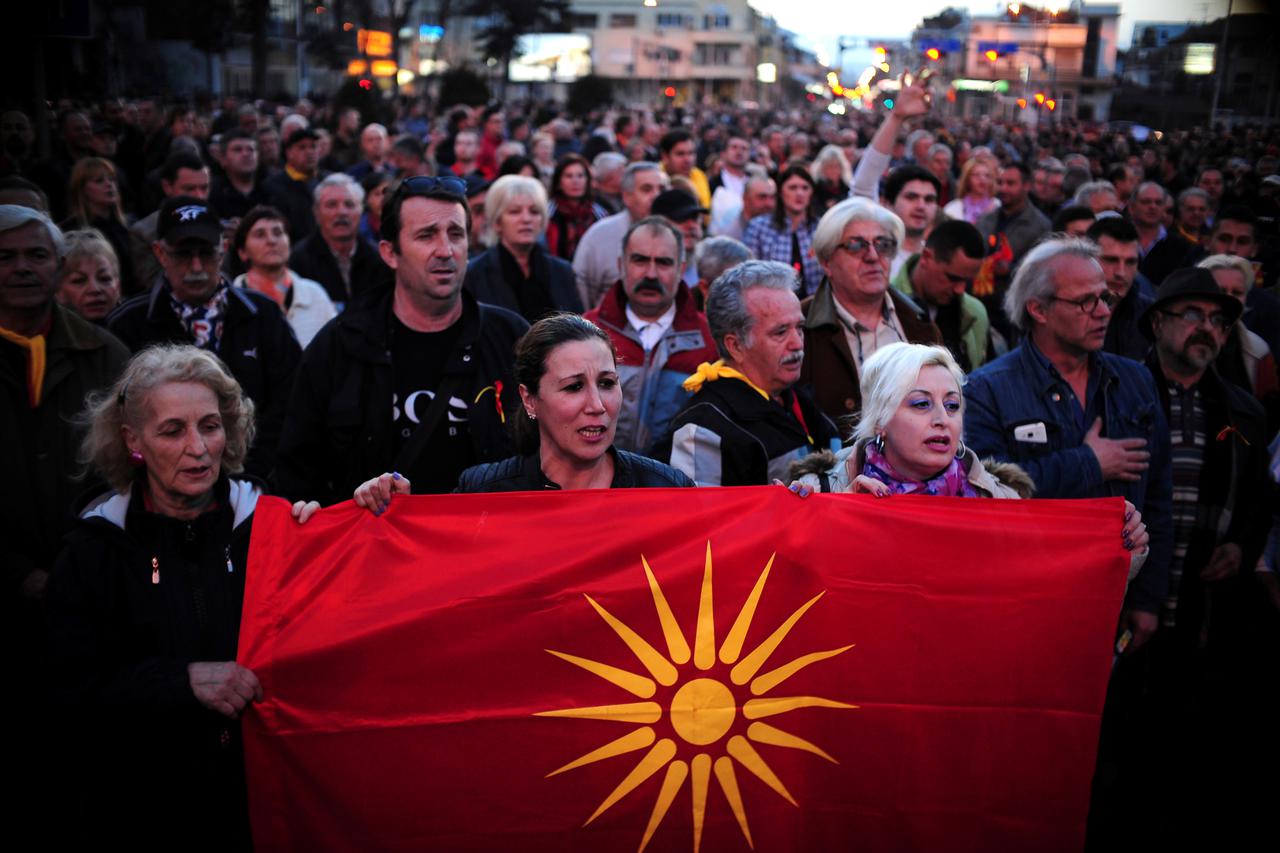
295	174
34	346
708	372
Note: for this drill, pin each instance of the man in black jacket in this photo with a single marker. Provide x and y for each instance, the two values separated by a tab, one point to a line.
364	402
191	303
334	254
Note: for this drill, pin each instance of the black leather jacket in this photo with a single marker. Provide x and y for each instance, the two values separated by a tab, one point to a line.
523	474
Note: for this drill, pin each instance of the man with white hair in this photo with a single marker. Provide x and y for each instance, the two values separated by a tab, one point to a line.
1098	196
51	358
747	420
334	254
606	179
855	311
1082	422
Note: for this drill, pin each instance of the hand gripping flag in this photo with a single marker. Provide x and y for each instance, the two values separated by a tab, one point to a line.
687	669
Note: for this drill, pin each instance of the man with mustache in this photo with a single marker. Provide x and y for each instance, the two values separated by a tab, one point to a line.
1205	662
747	421
416	378
334	254
192	303
659	333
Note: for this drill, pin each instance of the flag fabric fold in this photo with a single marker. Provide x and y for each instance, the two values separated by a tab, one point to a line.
679	669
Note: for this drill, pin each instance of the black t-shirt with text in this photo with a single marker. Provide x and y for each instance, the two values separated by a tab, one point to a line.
418	360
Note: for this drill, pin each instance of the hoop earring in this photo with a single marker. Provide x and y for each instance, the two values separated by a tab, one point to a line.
961	450
878	443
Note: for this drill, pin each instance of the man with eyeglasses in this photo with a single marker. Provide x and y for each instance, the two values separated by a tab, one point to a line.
416	378
1082	422
854	311
192	303
938	278
1204	659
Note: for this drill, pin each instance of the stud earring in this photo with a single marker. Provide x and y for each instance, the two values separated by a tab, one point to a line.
135	459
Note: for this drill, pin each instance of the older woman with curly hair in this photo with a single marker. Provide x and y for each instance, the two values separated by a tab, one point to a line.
144	607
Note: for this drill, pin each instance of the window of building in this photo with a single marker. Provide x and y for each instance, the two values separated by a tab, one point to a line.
624	22
716	22
671	21
583	21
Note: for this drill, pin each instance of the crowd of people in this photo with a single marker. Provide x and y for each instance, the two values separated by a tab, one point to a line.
199	306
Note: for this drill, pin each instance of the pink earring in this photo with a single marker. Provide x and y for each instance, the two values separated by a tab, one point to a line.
135	459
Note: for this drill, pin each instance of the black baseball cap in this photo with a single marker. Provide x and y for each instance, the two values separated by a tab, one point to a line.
188	218
676	205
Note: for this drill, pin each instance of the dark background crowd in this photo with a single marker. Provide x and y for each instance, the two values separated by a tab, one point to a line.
283	236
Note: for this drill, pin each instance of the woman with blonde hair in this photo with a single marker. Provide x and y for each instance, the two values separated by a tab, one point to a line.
975	191
93	201
517	272
89	278
143	607
833	175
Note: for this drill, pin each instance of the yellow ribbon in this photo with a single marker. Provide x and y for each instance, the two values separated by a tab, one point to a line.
710	372
34	346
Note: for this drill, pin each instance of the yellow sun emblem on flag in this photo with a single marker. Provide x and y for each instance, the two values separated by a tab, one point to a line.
703	711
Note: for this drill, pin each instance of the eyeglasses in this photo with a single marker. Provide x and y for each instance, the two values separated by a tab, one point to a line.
886	247
1089	304
432	184
1195	316
185	254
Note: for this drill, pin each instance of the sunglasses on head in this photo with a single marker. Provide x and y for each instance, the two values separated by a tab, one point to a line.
431	184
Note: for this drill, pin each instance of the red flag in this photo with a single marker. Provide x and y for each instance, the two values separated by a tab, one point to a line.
679	670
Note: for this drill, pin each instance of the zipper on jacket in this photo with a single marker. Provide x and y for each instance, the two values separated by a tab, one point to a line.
155	570
230	568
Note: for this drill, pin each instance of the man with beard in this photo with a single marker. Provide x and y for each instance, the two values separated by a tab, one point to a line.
658	332
191	303
747	421
334	254
415	379
1203	665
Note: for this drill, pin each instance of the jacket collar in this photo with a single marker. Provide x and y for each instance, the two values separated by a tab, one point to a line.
367	326
613	308
158	301
113	507
822	310
1036	365
71	331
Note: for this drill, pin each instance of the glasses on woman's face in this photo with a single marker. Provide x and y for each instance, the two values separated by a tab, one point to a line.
886	247
1193	316
1089	304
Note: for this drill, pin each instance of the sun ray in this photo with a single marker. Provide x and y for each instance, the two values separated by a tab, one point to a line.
747	756
754	709
676	773
750	665
704	642
662	752
632	712
729	784
738	632
774	677
765	733
637	685
677	646
658	666
638	739
701	775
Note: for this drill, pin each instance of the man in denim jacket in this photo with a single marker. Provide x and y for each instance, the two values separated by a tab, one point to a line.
1083	423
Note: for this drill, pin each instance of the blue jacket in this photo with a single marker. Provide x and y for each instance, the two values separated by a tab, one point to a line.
1019	390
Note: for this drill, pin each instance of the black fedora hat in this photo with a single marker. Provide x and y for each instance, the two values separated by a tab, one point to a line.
1189	283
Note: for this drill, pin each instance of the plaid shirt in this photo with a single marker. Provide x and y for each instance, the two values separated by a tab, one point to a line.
768	243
